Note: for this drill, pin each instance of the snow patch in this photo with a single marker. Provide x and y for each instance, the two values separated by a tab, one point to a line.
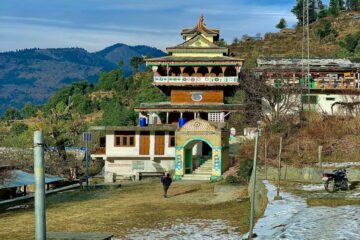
194	229
313	187
291	218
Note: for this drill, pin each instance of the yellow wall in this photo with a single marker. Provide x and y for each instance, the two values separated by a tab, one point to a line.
211	39
197	54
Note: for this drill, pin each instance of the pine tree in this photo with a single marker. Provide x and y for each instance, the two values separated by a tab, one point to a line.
282	24
335	6
353	5
315	6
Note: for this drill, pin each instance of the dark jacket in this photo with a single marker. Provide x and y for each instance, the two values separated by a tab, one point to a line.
167	181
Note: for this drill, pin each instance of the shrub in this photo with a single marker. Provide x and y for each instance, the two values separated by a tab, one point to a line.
18	128
245	169
232	180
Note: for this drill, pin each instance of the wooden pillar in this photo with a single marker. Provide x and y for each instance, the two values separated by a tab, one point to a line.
195	70
24	190
181	71
223	68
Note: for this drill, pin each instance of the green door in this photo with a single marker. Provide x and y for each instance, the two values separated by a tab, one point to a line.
188	161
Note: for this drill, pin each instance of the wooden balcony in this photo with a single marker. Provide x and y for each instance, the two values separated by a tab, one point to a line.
321	83
181	80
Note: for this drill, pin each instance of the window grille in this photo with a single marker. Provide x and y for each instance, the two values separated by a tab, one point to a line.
216	117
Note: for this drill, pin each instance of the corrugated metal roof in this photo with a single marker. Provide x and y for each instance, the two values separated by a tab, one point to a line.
21	178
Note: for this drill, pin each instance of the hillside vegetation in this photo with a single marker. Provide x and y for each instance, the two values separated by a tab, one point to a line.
288	44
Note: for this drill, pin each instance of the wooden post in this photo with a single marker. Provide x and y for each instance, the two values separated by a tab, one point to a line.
265	158
319	156
167	117
278	197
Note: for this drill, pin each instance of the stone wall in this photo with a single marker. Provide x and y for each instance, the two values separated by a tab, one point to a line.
306	174
260	196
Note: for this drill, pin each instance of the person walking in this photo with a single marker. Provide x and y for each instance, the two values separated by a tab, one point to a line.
166	181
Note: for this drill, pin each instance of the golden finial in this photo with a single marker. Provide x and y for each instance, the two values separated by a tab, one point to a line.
200	22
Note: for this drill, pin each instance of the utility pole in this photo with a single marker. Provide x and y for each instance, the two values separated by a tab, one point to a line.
40	218
265	158
87	136
278	197
254	182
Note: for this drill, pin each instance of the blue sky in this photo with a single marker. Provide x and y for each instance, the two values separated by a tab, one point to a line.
96	24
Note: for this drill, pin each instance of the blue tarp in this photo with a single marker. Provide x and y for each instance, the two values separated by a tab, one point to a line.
21	178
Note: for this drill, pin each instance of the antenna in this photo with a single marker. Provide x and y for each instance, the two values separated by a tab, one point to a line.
305	40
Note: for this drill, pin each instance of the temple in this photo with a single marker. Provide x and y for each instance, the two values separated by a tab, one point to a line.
187	135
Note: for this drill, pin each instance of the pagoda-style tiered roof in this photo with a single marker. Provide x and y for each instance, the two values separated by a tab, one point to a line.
200	28
198	43
197	61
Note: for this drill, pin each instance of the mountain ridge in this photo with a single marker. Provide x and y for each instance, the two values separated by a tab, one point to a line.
32	75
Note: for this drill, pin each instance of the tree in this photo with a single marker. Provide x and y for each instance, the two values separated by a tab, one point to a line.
351	42
335	6
271	103
236	41
135	63
29	110
18	128
62	127
326	31
353	5
282	24
315	6
11	114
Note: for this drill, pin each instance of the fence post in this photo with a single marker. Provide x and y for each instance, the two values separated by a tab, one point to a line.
253	175
40	218
319	155
265	157
278	197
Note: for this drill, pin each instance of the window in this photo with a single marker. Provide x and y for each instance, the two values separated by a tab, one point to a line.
196	96
216	117
124	139
171	139
312	99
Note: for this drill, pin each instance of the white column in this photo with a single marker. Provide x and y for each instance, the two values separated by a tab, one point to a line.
152	145
167	117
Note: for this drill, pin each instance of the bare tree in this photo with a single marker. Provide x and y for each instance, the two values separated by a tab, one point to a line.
270	94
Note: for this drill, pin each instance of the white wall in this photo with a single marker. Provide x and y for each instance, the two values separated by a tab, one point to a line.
324	103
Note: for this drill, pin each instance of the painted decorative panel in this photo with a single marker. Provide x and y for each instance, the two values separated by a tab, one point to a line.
191	80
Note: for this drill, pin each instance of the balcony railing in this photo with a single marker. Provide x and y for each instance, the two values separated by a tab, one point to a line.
321	83
192	80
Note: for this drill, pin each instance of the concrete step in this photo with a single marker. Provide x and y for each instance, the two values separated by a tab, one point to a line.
207	168
196	177
201	173
203	170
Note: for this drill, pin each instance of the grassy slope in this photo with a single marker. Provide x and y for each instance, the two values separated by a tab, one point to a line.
283	45
121	210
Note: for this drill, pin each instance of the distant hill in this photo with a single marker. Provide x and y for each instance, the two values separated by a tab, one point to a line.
32	75
120	51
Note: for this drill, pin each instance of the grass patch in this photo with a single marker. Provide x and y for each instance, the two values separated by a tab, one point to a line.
118	211
331	202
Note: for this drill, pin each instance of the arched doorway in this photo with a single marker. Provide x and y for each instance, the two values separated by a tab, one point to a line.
212	139
197	153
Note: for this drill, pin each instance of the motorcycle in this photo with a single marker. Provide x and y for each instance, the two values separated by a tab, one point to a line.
337	180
